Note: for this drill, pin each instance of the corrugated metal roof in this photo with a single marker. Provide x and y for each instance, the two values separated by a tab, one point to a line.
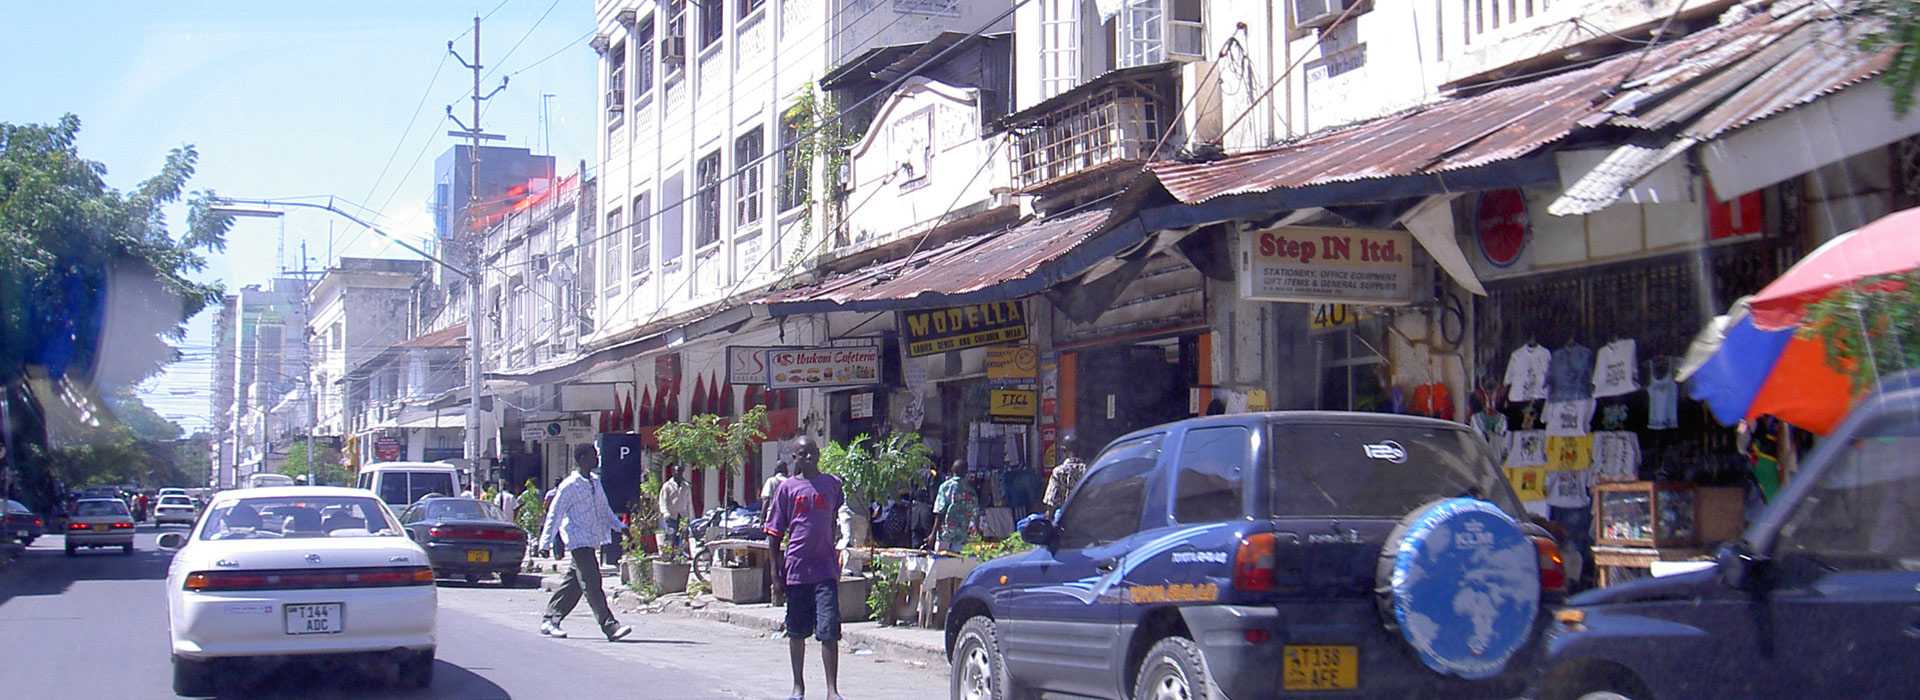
959	267
1670	82
448	337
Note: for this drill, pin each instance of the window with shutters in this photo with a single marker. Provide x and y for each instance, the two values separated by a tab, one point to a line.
706	220
793	169
641	254
643	51
1151	31
672	220
1059	46
615	227
747	182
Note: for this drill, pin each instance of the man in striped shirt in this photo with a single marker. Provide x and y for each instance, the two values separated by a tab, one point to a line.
581	518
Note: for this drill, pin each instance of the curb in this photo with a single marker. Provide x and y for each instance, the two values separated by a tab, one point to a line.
932	657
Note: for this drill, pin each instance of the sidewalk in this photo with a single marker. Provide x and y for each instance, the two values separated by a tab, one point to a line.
910	644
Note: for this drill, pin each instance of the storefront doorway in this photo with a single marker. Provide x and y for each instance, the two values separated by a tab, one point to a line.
1123	388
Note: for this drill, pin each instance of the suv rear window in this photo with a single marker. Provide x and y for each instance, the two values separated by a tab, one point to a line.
1382	471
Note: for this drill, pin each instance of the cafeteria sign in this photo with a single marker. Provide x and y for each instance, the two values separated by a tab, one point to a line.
1310	264
1011	406
790	368
935	331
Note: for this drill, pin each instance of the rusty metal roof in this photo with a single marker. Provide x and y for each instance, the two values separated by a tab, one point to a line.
448	337
1514	121
936	276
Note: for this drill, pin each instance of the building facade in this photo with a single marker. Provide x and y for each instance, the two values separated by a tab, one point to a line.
261	358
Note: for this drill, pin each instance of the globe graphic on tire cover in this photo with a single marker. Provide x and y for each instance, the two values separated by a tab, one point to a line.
1465	587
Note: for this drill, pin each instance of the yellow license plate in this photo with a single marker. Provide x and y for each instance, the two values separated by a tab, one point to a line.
99	528
1321	668
479	556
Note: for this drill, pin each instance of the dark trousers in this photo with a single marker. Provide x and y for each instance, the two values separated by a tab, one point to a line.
585	578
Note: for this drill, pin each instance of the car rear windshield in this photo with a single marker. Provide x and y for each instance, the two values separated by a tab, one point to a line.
1387	471
294	517
175	501
92	508
462	509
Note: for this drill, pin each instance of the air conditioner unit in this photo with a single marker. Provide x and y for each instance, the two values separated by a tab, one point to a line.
616	100
1319	13
673	49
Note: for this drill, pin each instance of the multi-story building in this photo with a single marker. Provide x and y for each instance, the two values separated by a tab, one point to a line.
502	169
394	399
360	308
260	359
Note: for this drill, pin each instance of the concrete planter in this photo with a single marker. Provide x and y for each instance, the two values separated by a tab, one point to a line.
853	598
739	584
632	570
670	577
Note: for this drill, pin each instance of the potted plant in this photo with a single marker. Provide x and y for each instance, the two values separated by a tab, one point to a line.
704	441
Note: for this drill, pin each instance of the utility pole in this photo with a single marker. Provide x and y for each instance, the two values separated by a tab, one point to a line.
474	136
306	377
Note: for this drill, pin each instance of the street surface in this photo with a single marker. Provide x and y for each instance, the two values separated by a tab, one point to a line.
95	626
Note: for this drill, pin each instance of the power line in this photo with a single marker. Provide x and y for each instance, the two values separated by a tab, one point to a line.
516	45
489	15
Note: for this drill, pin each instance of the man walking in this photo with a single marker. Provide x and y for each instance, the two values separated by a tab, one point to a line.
1066	476
505	501
802	513
676	505
955	508
582	519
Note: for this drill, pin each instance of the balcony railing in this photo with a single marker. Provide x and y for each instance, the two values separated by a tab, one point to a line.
1115	125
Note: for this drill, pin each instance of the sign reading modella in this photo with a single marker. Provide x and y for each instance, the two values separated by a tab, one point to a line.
789	368
1309	264
936	331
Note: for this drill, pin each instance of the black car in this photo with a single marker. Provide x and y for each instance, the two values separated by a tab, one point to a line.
1285	554
466	537
25	525
1820	597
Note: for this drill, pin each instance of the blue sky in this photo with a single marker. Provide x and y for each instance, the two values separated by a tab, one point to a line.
286	99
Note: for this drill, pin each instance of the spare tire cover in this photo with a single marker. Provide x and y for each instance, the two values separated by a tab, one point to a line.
1462	586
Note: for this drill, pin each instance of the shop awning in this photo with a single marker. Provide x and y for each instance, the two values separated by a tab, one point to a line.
448	420
562	369
999	266
1791	76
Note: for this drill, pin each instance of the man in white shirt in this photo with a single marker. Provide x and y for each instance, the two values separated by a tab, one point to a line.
772	482
506	502
581	518
676	505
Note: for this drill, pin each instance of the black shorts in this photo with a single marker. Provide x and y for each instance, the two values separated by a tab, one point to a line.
814	609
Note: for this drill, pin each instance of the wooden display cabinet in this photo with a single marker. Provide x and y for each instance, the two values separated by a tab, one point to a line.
1666	514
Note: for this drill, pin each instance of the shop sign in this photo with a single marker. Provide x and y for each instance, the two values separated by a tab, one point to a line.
1501	226
1309	264
747	364
1011	405
861	405
386	448
1012	365
532	432
789	368
1257	400
935	331
1328	316
577	433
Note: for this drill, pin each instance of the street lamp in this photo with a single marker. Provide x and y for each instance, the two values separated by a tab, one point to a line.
235	206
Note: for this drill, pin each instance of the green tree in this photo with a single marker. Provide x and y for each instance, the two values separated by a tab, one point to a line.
326	467
707	441
1870	329
1897	27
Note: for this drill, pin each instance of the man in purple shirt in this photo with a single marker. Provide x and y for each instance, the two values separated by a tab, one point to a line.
807	568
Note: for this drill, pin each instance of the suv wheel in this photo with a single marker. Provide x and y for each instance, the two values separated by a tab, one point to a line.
979	671
1174	669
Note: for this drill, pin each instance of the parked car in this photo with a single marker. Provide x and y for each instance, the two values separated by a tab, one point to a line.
1267	554
25	525
177	509
309	571
467	538
400	484
1820	597
100	522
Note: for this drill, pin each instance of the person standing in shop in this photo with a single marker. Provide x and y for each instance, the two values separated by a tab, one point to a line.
956	508
1066	476
676	506
802	515
581	520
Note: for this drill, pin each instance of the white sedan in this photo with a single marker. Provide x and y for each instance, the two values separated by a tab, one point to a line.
297	571
175	509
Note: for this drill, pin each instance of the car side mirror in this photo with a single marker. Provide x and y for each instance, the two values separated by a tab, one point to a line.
1038	531
1738	565
172	540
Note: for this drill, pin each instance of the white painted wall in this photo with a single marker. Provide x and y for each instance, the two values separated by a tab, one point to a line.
922	156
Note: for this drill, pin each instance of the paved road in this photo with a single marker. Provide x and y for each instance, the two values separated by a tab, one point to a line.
95	626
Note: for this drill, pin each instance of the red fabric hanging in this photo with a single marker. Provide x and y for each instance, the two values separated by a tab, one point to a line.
646	408
626	418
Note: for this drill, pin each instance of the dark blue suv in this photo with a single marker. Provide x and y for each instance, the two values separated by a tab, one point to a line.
1273	554
1820	597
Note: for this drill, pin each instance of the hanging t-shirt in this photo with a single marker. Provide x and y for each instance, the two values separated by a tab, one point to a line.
1570	373
1568	418
1527	373
1570	489
1569	453
1616	456
1663	397
1526	448
1492	427
1613	369
1529	483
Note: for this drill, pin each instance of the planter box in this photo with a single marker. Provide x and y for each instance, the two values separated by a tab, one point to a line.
853	598
632	570
670	577
739	584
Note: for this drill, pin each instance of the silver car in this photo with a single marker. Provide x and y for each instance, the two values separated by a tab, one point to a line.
100	522
175	510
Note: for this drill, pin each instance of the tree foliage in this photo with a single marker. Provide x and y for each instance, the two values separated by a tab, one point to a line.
326	468
1899	28
872	470
708	441
1870	329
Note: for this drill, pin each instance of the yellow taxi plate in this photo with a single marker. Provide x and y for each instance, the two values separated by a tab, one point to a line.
1310	667
99	528
479	556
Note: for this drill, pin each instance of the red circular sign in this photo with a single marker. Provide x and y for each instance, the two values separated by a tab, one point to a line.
1502	228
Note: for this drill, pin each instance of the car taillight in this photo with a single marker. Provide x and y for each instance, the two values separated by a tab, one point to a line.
77	526
381	577
1253	564
39	523
123	526
1553	568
